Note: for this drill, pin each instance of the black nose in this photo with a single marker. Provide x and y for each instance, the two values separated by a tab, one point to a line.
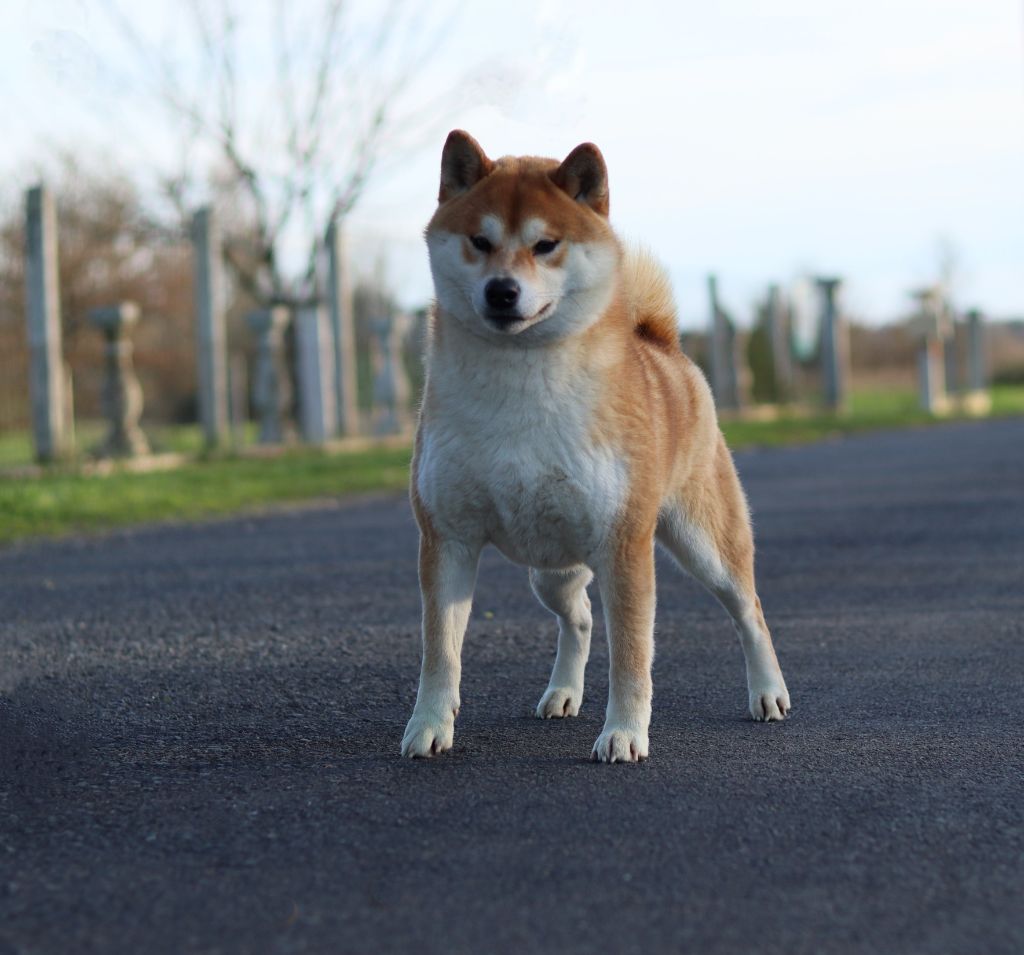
502	293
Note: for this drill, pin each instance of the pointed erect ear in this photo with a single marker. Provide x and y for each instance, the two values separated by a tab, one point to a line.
584	176
463	164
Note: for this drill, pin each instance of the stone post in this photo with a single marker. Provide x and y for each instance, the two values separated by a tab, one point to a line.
339	298
977	364
835	352
211	339
931	325
270	389
723	360
315	363
778	342
951	356
122	393
47	376
931	376
390	382
976	399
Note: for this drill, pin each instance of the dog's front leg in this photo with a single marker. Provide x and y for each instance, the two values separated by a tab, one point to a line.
447	578
626	580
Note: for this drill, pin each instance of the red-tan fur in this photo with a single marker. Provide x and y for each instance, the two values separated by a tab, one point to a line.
655	419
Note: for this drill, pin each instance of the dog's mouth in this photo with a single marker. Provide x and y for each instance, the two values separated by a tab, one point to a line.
513	321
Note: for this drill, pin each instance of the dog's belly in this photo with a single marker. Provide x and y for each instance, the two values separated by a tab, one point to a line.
540	506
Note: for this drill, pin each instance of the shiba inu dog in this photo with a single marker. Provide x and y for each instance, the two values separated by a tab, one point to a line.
562	423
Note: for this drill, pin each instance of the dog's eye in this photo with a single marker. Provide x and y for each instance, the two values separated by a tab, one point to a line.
545	246
481	243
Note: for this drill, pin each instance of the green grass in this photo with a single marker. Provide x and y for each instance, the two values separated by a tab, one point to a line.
62	502
1008	400
869	411
16	446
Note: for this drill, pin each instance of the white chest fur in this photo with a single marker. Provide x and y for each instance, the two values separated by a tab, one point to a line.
507	454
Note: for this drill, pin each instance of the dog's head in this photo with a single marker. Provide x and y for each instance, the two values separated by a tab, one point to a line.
520	248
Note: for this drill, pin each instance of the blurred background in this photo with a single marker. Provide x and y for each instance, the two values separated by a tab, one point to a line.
755	153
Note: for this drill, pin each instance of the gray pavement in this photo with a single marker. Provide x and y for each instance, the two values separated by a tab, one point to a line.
199	733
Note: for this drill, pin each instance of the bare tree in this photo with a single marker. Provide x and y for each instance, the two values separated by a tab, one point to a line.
293	145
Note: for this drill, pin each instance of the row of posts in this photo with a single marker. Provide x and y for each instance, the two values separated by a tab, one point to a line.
934	327
725	361
325	352
937	361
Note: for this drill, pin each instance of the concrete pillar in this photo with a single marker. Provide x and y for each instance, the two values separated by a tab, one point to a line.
390	382
339	299
932	328
270	387
977	362
47	376
931	377
835	350
778	341
723	359
976	398
315	365
950	358
211	338
122	393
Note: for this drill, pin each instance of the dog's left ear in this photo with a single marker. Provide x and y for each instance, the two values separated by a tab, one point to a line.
584	176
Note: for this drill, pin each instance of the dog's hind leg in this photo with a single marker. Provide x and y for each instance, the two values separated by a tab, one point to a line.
564	593
706	527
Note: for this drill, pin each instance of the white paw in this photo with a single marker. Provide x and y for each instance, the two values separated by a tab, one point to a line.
619	744
769	702
428	734
559	701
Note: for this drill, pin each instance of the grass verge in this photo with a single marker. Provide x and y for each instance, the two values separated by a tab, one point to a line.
869	411
62	503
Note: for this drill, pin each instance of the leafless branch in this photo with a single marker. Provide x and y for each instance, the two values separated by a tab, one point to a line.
338	91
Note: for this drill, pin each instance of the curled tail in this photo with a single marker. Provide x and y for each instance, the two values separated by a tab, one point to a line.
649	294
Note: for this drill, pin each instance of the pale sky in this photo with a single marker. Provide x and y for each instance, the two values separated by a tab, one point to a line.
760	141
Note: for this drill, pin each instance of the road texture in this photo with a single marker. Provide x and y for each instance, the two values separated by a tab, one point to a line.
200	725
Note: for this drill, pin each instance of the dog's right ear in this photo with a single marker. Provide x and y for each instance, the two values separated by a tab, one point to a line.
463	164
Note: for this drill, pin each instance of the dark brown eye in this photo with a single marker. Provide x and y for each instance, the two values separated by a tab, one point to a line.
545	246
481	243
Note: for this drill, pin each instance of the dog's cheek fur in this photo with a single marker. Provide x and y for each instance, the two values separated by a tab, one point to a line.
454	277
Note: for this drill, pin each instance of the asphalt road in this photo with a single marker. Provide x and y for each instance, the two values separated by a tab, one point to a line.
199	734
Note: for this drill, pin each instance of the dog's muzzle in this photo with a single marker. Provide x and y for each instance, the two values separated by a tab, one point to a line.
502	297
